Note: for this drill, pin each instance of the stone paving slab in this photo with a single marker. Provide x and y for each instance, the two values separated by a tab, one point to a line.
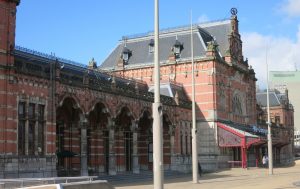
254	178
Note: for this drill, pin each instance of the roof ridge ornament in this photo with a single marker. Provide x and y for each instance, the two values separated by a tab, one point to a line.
233	11
125	41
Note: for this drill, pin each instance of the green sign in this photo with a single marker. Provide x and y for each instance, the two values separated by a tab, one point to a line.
284	76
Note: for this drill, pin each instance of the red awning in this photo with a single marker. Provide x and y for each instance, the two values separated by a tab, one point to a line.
229	136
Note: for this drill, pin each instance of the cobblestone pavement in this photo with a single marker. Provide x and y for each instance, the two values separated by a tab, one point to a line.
237	178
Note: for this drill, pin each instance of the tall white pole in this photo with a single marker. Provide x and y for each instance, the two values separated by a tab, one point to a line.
270	151
194	129
157	110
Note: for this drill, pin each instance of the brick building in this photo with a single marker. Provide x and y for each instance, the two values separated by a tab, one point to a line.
289	80
225	84
282	120
62	118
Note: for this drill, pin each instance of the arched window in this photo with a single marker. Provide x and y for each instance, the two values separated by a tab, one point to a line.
34	134
222	97
237	105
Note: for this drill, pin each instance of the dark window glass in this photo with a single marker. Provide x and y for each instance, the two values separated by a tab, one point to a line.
21	110
40	147
21	128
31	111
41	110
181	144
31	137
21	137
41	125
186	144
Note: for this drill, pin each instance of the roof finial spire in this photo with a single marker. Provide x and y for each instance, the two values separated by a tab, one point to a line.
233	11
125	41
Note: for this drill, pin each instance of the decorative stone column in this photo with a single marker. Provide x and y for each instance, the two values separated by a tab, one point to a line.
112	154
135	157
83	147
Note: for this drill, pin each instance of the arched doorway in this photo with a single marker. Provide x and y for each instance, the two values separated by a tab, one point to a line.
98	140
123	140
68	140
145	144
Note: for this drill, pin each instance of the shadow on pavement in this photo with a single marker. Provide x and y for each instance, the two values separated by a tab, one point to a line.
185	178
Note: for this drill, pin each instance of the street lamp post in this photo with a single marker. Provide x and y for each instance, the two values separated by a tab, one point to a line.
157	110
270	151
194	129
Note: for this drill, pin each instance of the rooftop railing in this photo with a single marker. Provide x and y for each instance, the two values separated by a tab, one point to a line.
51	57
170	29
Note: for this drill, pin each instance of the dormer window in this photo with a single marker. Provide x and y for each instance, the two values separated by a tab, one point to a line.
126	53
151	46
125	56
177	48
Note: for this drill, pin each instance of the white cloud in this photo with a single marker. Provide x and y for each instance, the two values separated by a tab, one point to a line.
283	54
291	8
203	18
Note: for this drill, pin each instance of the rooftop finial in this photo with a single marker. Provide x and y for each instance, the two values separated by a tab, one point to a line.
125	41
233	11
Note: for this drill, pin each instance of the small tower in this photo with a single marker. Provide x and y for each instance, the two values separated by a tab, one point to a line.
235	53
92	64
8	12
7	45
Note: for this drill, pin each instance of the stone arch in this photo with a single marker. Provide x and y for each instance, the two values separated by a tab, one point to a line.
73	97
146	110
98	115
124	118
98	139
69	118
124	127
94	104
145	138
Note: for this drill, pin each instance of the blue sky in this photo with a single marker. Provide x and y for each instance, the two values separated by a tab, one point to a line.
80	30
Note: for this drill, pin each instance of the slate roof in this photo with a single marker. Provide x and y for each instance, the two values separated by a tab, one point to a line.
170	89
261	99
37	64
202	33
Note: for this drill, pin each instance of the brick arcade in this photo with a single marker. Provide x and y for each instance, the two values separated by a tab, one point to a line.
61	118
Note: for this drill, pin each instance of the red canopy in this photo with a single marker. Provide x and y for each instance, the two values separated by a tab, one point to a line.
229	136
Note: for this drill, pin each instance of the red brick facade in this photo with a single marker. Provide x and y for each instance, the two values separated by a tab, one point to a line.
62	118
218	80
7	100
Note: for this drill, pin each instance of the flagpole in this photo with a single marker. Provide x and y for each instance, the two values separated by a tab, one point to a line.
194	130
270	151
157	109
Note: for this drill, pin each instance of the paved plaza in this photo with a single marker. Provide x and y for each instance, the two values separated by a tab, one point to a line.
283	178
